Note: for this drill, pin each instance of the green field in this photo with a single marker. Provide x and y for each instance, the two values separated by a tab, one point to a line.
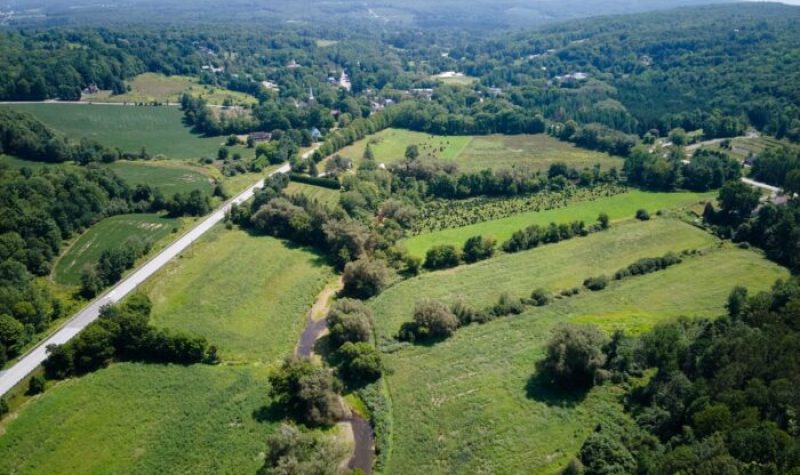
150	87
159	129
142	419
480	152
455	80
170	176
108	234
468	404
248	295
622	206
325	196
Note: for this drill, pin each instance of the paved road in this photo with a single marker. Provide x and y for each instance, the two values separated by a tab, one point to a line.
773	189
30	361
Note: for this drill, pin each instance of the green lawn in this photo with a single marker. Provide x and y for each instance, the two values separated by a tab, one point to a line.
170	176
159	129
142	419
325	196
468	404
248	295
617	207
109	233
480	152
149	87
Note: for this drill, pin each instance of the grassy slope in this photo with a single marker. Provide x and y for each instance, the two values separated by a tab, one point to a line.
480	152
149	87
325	196
160	129
171	176
617	207
467	405
248	295
107	234
142	419
553	266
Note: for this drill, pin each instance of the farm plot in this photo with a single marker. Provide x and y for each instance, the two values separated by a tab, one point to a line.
325	196
169	176
618	207
152	87
109	233
159	129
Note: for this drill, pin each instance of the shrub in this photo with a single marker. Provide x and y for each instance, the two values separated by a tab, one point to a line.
358	363
573	355
442	257
290	450
432	320
36	385
602	219
464	313
3	407
478	248
642	215
540	297
508	305
647	265
349	320
306	392
596	283
364	278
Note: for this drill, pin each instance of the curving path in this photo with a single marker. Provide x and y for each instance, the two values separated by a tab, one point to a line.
31	360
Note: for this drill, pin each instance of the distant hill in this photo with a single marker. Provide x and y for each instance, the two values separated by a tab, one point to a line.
472	14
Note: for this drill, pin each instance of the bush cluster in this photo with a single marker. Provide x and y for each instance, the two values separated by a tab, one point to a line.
647	265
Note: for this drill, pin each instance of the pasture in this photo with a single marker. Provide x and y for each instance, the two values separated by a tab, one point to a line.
169	176
618	207
159	129
153	87
469	405
473	153
325	196
109	233
247	295
142	419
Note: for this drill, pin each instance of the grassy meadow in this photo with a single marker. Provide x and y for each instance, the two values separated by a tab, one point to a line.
325	196
247	295
618	207
109	233
159	129
153	87
470	405
170	176
142	419
480	152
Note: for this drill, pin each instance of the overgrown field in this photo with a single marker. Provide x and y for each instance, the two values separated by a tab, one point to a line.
159	129
170	176
325	196
142	419
621	206
469	405
248	295
109	233
480	152
150	87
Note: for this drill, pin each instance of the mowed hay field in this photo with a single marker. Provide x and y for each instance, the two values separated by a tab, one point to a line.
169	176
159	129
325	196
142	419
109	233
618	207
150	87
480	152
248	295
469	404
